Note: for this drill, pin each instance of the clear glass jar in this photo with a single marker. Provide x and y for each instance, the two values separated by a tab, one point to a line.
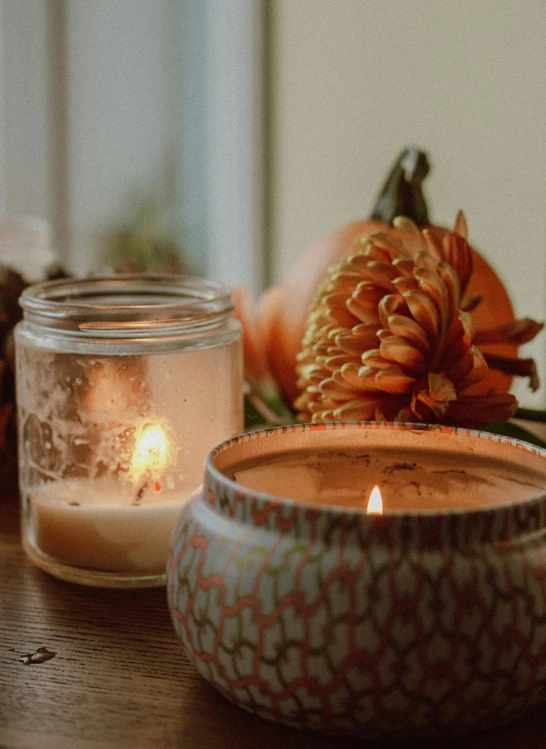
124	383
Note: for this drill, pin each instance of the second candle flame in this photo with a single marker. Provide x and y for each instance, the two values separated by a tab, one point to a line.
375	502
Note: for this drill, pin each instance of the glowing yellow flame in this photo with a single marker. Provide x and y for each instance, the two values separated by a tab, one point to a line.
151	451
375	502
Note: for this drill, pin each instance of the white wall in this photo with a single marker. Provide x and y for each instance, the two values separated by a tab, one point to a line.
354	81
25	116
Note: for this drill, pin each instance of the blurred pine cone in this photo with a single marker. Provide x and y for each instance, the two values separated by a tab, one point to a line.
11	286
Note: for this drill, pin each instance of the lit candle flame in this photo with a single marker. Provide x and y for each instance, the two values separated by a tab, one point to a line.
150	454
375	502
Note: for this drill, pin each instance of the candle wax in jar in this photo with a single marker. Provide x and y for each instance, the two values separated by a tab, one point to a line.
408	480
101	524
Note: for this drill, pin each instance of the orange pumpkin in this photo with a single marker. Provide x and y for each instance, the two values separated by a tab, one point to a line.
284	308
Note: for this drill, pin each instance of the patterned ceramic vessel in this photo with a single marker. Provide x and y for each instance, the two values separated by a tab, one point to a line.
409	624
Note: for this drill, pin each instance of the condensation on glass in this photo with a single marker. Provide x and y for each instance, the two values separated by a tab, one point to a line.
124	383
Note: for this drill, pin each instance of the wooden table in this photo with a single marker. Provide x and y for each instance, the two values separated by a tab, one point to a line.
120	679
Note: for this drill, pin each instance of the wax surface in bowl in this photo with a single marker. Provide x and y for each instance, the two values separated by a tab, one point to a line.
409	480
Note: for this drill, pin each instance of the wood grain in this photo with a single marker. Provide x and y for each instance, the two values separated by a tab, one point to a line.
121	680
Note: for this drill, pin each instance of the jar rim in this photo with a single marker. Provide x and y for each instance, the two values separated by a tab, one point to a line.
126	302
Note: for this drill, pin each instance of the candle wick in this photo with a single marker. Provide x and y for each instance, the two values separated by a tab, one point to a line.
139	494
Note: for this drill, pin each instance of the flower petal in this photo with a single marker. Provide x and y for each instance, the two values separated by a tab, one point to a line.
362	409
394	380
482	409
399	350
379	274
389	243
355	344
412	237
517	332
405	327
333	363
514	366
375	360
257	369
424	311
352	375
390	305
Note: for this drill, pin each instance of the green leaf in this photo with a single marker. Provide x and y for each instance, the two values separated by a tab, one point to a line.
270	411
509	429
253	418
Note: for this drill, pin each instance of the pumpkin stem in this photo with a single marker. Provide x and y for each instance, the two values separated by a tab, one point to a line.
402	194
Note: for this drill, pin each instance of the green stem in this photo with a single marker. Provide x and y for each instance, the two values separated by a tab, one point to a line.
274	416
402	194
530	414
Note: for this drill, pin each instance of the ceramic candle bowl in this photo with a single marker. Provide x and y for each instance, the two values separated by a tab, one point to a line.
415	623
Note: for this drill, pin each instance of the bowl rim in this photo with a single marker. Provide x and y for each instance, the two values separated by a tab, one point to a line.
275	500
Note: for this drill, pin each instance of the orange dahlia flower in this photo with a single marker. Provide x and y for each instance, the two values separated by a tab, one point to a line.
389	337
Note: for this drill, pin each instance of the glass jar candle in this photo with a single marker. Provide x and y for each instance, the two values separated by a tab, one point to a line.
124	383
